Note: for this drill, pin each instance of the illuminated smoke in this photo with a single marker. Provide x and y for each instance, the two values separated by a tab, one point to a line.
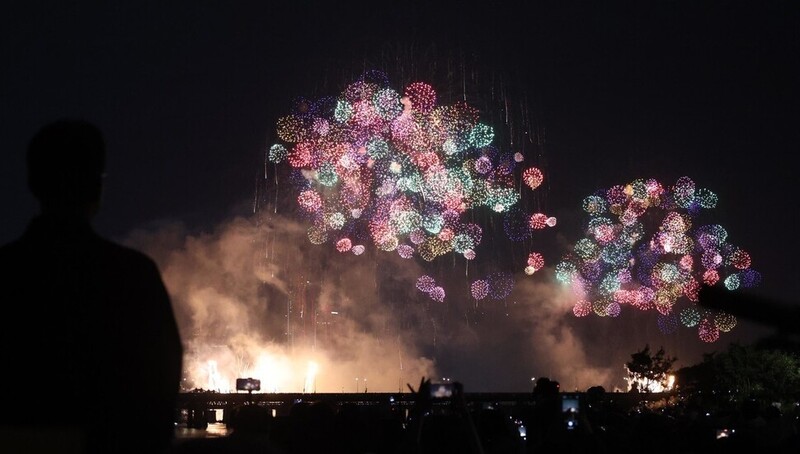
557	348
230	289
233	289
261	302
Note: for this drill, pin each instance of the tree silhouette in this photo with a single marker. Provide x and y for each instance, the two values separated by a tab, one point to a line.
648	372
748	371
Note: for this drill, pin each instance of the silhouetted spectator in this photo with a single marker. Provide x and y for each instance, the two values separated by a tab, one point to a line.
498	433
349	429
546	415
251	434
90	347
312	425
557	428
441	425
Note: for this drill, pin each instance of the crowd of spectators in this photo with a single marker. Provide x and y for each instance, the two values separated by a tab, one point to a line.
597	424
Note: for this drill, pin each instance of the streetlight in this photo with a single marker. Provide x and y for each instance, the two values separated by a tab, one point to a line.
356	384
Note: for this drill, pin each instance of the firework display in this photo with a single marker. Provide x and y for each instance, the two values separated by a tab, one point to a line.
400	172
427	284
644	248
496	286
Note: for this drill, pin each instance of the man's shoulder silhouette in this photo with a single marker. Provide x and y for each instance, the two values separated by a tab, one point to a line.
58	262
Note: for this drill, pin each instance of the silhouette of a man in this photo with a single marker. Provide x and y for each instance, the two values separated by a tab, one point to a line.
91	353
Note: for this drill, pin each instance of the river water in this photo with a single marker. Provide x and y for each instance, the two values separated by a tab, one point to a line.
214	430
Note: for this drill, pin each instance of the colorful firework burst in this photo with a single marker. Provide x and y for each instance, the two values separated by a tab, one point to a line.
645	248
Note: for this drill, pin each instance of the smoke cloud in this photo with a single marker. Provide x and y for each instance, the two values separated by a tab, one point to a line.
255	298
258	300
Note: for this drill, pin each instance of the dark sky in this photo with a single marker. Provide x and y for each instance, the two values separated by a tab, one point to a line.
188	93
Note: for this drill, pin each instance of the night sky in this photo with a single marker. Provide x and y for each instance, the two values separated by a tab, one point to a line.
188	96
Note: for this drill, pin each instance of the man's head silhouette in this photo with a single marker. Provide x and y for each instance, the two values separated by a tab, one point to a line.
66	163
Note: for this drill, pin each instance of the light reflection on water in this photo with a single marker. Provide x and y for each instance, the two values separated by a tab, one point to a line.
214	430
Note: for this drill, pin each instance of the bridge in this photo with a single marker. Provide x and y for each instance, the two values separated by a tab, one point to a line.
198	408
